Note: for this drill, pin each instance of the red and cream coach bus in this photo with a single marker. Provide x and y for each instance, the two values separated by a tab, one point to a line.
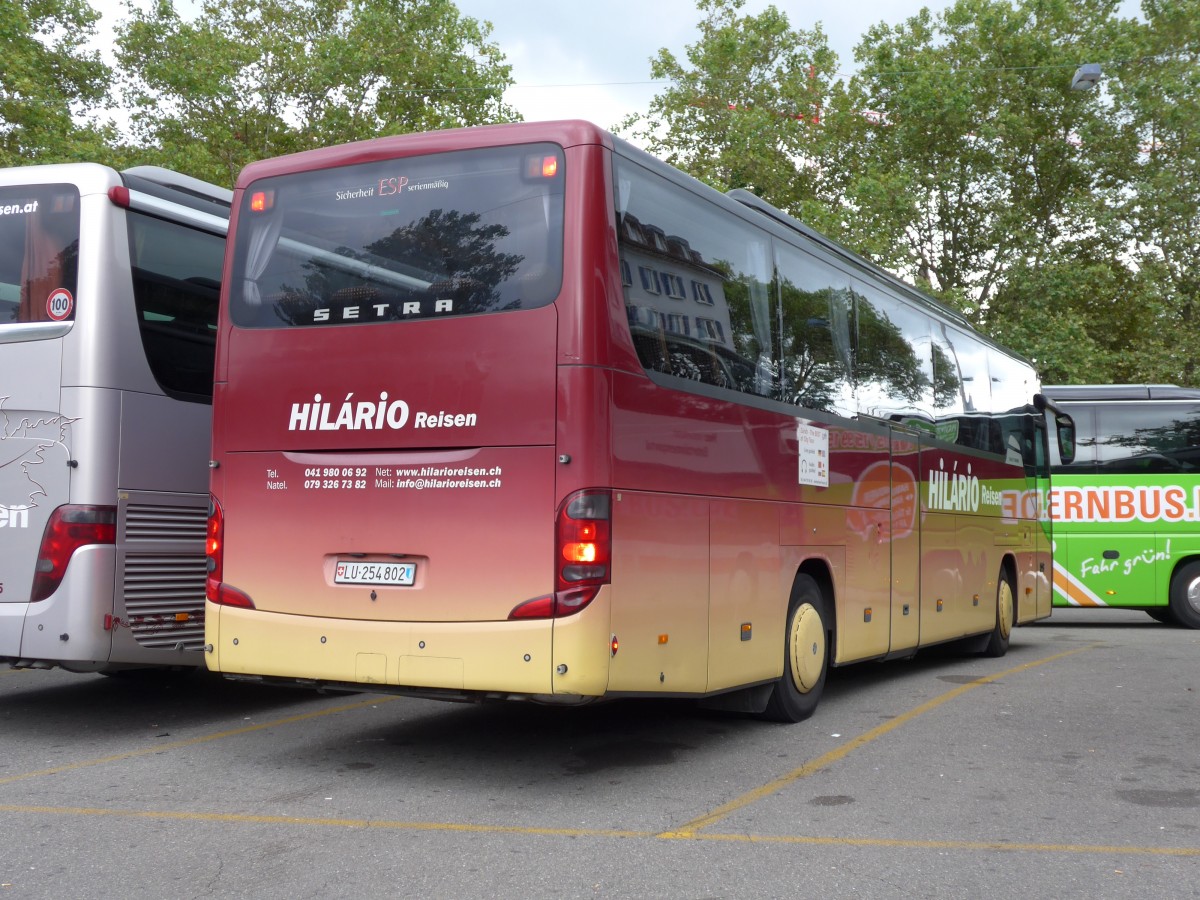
522	412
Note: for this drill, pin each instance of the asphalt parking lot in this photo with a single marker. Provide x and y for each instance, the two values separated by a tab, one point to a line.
1069	768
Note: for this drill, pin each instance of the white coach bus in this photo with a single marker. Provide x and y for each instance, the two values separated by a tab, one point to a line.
109	285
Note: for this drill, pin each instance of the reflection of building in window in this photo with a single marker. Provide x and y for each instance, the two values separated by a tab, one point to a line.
677	324
666	264
673	286
650	280
710	329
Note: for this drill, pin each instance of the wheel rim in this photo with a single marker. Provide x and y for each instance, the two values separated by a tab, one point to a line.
1005	611
807	646
1193	594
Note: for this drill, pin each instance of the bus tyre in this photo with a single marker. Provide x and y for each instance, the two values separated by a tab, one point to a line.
1006	616
1185	595
805	655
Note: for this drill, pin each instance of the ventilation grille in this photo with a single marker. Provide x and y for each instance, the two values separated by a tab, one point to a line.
146	522
164	600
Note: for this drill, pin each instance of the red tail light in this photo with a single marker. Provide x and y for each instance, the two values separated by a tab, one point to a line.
583	557
215	589
70	527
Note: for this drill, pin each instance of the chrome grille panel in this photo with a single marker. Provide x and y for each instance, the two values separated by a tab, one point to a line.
148	522
164	600
163	572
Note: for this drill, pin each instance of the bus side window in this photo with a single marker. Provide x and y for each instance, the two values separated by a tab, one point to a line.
176	288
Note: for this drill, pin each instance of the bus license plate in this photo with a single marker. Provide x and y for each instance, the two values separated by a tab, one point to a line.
388	574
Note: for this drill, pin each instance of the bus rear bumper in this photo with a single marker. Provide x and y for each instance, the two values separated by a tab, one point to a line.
465	658
68	627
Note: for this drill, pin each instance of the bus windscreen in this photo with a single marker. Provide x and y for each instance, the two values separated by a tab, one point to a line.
453	234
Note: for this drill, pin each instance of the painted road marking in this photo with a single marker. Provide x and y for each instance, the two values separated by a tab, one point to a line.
838	753
391	825
191	742
690	831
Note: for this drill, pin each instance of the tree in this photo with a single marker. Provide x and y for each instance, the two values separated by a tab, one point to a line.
959	140
46	80
964	160
745	112
1156	170
249	79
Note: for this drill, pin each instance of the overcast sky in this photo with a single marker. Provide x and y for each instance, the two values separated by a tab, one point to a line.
590	59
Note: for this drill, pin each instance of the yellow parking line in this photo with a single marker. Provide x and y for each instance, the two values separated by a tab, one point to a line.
771	787
943	845
191	742
392	825
383	824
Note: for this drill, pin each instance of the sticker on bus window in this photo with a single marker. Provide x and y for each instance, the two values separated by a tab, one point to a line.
60	304
814	454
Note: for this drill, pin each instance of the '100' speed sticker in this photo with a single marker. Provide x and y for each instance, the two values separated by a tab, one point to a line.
60	304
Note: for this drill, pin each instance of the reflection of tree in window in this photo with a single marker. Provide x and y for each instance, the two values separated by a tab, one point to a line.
747	348
1172	446
455	245
813	368
885	357
462	254
945	378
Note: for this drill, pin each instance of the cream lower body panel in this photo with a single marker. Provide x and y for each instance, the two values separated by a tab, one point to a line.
493	657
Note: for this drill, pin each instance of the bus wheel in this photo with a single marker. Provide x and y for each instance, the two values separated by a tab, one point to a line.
1006	614
805	656
1185	595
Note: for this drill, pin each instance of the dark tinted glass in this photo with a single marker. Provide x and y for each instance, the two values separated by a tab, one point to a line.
1139	437
700	304
815	302
893	358
176	287
39	252
475	231
714	299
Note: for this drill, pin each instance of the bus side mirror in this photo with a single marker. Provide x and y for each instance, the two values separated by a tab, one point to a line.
1065	427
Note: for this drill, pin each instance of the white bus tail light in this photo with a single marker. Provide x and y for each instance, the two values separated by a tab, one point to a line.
583	555
70	527
214	550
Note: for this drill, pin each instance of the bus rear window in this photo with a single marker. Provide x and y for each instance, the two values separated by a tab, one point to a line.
469	232
39	252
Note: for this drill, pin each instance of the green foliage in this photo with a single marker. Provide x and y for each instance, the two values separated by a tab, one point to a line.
1064	223
747	108
1155	169
48	81
250	79
959	139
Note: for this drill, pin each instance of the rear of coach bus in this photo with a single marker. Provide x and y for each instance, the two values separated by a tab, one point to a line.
104	413
39	279
387	509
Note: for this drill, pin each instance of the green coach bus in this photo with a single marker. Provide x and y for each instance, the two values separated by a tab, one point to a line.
1126	510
